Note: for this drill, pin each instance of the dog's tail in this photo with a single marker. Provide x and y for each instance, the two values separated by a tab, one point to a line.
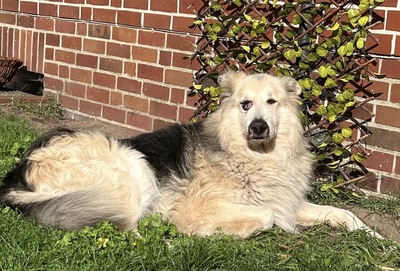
72	210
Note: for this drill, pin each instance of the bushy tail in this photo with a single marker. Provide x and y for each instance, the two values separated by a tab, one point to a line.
72	210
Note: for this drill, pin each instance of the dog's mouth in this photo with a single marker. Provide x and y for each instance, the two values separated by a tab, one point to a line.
258	130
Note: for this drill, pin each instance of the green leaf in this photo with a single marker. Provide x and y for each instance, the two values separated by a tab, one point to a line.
246	48
347	132
349	49
348	94
358	157
334	26
296	20
316	89
290	54
197	86
322	71
363	20
248	17
342	51
338	151
337	138
330	83
265	44
321	110
353	13
334	165
321	51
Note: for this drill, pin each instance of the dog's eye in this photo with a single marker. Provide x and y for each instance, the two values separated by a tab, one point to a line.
246	104
271	101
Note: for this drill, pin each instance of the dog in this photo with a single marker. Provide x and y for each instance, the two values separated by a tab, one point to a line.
244	169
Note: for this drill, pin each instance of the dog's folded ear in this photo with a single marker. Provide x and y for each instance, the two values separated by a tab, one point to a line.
292	85
229	79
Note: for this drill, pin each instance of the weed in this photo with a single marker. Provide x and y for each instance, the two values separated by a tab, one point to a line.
49	108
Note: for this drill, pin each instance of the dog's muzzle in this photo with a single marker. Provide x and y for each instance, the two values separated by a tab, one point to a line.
258	130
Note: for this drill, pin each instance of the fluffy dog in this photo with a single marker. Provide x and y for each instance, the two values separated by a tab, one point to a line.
243	169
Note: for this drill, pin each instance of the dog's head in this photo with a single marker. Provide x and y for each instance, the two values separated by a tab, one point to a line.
259	101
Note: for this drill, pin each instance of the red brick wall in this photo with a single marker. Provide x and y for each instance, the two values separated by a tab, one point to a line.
123	61
384	143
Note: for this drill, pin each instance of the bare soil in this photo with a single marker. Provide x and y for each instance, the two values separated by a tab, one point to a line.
386	225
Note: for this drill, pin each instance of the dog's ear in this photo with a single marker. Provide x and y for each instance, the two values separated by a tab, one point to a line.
292	85
229	79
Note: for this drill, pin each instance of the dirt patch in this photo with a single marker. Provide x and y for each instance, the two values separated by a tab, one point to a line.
388	226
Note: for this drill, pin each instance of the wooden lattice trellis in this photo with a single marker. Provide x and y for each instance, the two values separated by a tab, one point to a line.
322	44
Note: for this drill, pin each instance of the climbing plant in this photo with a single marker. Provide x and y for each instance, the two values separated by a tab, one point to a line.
320	43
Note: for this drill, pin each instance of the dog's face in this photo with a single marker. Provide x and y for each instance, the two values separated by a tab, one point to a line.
259	98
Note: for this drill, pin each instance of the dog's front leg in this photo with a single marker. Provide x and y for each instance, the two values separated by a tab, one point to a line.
310	214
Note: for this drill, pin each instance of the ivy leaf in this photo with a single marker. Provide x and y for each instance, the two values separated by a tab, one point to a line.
321	51
342	51
321	110
330	83
349	49
358	157
347	132
323	72
246	48
363	20
348	94
265	44
338	151
337	138
360	43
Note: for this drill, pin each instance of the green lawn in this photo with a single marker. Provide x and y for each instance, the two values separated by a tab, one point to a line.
158	246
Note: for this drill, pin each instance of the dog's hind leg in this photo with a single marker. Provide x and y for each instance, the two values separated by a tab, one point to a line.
310	214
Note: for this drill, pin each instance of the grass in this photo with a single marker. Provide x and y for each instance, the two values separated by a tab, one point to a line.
50	108
159	246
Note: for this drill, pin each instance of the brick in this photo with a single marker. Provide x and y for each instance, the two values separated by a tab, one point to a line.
178	78
129	17
8	18
124	34
99	31
90	108
75	89
71	42
94	46
389	3
63	26
138	4
380	89
68	11
115	98
164	5
114	114
44	24
130	68
390	185
86	13
28	21
28	7
390	68
63	71
109	64
68	102
387	115
86	60
139	121
178	95
104	15
185	114
180	42
81	29
47	9
161	124
384	46
182	60
116	3
190	7
53	83
98	2
150	72
64	56
53	39
163	110
119	50
395	93
10	5
165	58
397	168
144	54
81	75
397	46
49	54
157	21
380	161
129	85
182	24
75	1
151	38
136	103
385	139
51	68
98	95
393	20
156	91
104	80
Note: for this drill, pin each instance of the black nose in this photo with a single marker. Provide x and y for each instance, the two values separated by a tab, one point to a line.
258	129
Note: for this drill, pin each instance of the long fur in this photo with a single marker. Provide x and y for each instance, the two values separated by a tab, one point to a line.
245	168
